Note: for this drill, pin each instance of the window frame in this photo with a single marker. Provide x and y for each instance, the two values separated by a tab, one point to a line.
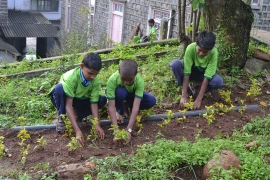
158	20
37	8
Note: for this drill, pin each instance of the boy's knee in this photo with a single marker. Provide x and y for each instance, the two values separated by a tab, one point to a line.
102	101
59	88
121	92
175	63
152	101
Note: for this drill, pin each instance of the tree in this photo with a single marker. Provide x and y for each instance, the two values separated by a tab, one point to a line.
231	20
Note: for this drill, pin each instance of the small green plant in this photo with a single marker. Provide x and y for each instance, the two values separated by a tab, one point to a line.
167	121
22	120
209	114
2	147
243	108
190	104
254	89
23	134
184	111
225	96
146	112
69	128
93	132
41	143
119	134
139	124
24	153
74	144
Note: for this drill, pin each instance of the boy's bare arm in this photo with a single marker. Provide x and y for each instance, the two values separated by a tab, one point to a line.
198	101
70	113
111	108
71	116
185	86
134	113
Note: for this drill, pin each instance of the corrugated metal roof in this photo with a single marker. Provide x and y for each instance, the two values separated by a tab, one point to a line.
27	24
7	47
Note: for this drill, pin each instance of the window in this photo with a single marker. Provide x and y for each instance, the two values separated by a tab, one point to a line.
118	7
255	2
158	15
45	5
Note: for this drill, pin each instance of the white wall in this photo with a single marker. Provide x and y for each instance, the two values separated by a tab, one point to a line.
25	5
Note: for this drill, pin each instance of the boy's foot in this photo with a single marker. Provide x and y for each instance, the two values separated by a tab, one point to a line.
60	127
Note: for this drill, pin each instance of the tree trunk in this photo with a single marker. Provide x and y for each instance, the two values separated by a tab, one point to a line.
234	19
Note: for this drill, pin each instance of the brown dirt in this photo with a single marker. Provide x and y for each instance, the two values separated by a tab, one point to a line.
56	152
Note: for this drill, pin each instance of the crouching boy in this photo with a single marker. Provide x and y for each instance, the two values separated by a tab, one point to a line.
199	65
126	85
77	95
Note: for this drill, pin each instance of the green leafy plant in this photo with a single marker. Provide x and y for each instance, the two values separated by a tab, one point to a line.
74	144
23	135
2	147
167	121
139	124
225	96
190	104
41	143
93	132
255	89
69	129
119	134
24	153
209	114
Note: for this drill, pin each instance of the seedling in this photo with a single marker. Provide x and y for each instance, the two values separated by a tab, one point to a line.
24	152
41	143
225	96
243	108
93	132
69	128
210	114
139	123
146	113
255	89
74	144
167	121
190	104
2	147
118	134
23	134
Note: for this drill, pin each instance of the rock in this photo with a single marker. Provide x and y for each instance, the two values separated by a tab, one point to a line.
224	159
242	86
257	65
197	125
261	55
74	171
252	144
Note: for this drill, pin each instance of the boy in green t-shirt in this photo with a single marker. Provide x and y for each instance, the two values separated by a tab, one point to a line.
127	85
77	95
152	36
199	65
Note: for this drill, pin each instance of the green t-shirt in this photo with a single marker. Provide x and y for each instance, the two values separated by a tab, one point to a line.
207	64
153	32
73	88
114	82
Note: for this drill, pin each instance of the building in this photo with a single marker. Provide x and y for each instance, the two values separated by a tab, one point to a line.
261	10
20	19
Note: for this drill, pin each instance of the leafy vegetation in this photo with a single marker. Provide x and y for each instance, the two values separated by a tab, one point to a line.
162	159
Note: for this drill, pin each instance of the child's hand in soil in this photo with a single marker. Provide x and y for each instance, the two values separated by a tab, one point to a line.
100	132
80	137
197	104
182	101
119	118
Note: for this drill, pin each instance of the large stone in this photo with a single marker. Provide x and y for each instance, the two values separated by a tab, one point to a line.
257	65
74	171
224	159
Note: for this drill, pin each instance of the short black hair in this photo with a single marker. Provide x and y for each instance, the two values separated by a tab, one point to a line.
151	21
128	68
206	39
92	61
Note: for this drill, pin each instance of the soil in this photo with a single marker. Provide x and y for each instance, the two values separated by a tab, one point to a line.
56	152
